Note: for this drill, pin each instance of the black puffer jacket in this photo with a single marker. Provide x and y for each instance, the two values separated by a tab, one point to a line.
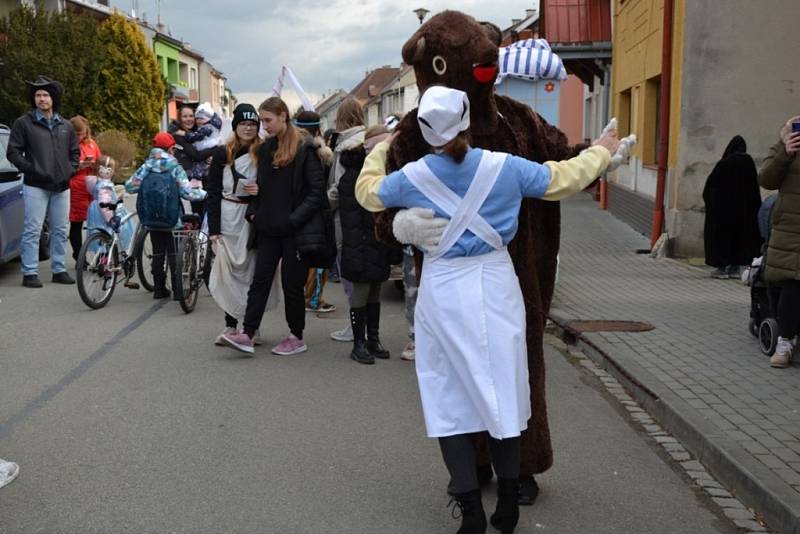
308	202
364	258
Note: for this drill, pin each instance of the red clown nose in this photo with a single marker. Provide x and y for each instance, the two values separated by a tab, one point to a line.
484	73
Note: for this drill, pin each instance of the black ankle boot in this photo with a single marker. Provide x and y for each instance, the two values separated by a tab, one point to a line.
359	352
506	515
374	346
473	518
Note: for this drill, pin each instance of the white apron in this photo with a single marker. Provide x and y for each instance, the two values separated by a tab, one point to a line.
232	271
472	364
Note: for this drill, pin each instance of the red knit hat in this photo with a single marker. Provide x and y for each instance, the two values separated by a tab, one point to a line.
163	140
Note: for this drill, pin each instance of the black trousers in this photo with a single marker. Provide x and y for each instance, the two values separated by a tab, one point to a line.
163	249
269	251
459	456
789	309
76	238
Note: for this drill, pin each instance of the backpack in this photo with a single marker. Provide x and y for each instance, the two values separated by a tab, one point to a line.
158	204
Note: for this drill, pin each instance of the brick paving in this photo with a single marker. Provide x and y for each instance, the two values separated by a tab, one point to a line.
700	348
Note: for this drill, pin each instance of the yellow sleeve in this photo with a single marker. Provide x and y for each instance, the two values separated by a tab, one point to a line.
574	175
372	175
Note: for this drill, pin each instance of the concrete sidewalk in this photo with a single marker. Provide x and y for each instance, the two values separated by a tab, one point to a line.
699	371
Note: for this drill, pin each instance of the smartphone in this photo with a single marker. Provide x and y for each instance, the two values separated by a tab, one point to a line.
795	127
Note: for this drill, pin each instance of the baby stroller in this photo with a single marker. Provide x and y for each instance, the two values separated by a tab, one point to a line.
763	298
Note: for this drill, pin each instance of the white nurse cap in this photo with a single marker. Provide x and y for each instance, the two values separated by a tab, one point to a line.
443	113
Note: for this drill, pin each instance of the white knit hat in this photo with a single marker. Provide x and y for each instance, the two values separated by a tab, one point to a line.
204	111
443	113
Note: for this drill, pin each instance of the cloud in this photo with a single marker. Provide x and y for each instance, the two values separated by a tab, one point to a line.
329	44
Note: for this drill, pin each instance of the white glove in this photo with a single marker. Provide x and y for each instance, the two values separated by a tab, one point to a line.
419	227
624	150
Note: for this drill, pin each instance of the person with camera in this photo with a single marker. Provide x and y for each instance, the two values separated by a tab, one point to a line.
781	172
286	223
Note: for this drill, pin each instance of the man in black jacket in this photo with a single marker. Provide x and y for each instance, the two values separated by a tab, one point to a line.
44	147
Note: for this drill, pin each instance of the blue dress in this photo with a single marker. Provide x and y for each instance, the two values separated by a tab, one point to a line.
94	217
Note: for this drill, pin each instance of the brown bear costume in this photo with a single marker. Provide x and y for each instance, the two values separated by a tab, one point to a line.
444	51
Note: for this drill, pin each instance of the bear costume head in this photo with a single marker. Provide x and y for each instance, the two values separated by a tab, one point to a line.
455	50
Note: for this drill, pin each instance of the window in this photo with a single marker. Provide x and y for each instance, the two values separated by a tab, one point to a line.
650	135
193	78
624	113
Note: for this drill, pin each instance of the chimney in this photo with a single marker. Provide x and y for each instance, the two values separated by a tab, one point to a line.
187	45
103	2
530	13
371	90
514	22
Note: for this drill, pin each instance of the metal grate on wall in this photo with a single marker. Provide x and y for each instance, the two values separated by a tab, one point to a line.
631	207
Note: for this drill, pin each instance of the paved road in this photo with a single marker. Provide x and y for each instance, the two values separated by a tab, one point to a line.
127	419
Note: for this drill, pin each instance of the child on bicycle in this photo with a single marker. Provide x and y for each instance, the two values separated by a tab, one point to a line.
99	215
160	162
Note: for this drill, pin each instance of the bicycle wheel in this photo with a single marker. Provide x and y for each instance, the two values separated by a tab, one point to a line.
144	259
95	270
188	275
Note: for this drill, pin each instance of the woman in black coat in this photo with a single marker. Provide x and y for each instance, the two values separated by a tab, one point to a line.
732	199
365	261
286	221
186	154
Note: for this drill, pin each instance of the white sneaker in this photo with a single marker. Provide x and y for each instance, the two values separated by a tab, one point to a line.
410	352
345	335
8	472
228	330
783	353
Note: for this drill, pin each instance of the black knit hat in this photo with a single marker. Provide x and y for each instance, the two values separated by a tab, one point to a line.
43	83
309	120
244	112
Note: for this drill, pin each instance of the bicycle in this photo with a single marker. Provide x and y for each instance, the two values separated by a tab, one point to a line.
102	259
193	260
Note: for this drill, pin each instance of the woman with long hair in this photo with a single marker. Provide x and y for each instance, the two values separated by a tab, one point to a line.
186	154
365	262
79	197
291	190
350	130
231	185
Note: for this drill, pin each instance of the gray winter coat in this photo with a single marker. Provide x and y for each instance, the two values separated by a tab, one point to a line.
47	158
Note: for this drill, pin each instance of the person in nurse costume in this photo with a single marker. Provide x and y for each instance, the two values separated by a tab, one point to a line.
470	319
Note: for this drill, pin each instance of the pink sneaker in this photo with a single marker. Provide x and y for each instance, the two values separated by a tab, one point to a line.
290	345
239	341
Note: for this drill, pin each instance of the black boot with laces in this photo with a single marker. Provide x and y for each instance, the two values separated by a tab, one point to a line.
470	506
359	352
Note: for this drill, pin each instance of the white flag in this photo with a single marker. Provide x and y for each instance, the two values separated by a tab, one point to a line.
278	87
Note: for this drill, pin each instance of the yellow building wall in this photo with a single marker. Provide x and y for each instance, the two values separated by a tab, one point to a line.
636	66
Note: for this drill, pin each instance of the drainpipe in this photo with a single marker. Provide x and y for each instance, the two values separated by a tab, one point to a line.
664	113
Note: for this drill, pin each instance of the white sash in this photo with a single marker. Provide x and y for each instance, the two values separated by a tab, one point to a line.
463	213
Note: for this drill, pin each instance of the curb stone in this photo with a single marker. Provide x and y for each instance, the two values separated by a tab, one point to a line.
731	507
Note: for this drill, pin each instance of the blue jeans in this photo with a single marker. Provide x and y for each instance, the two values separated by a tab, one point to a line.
38	204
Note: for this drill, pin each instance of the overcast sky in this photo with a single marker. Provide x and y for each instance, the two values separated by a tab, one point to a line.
329	44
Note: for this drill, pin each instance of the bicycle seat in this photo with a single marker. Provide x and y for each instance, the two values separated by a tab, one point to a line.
191	219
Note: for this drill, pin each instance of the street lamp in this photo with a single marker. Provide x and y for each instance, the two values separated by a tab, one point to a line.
421	14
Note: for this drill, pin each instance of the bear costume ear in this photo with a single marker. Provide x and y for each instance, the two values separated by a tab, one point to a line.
413	51
493	32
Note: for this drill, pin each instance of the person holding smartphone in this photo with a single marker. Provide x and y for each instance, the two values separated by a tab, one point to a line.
781	172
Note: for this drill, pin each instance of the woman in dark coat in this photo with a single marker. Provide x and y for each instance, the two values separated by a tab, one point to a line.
186	154
365	260
732	199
